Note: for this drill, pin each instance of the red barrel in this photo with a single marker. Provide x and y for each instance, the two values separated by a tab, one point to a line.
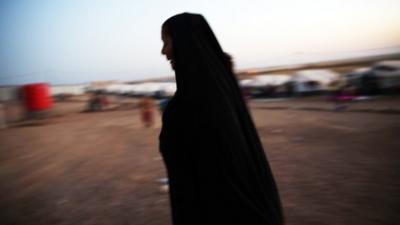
37	96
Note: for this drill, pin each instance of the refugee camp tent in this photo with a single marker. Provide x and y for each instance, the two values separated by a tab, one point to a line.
382	77
245	83
312	81
168	88
140	89
388	73
269	80
73	89
274	85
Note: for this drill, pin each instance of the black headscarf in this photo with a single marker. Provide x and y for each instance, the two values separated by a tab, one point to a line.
217	168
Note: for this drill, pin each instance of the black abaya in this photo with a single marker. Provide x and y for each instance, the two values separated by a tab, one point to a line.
216	165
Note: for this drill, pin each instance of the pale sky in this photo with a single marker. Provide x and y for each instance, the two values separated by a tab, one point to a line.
75	41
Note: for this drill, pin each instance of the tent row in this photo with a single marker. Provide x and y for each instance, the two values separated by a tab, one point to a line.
381	78
304	82
157	89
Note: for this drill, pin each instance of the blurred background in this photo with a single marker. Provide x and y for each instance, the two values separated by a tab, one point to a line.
83	86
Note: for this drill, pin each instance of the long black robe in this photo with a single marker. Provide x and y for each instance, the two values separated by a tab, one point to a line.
217	169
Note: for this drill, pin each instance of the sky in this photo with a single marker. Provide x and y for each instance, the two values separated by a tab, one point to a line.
77	41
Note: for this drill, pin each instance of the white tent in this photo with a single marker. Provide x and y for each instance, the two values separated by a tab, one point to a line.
147	88
321	79
150	88
266	80
388	72
245	82
395	64
168	88
77	89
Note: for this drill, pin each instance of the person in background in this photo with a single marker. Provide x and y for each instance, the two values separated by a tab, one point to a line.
162	104
98	102
343	97
146	105
3	119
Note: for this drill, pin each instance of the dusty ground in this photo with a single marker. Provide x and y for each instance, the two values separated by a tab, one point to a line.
102	168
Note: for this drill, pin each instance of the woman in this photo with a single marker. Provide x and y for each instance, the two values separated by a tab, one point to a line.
217	169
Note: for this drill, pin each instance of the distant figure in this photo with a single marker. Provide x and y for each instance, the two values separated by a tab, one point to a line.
3	119
217	169
146	106
162	104
289	86
97	102
370	84
246	93
343	97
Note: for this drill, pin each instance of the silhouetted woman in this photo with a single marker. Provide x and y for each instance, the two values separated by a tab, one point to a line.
217	169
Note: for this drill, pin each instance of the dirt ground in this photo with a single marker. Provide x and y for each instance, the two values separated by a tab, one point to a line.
103	168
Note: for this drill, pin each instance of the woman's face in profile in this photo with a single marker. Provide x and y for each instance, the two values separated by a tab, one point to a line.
167	47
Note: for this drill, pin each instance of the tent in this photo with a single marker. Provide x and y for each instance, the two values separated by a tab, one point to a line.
314	80
266	80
